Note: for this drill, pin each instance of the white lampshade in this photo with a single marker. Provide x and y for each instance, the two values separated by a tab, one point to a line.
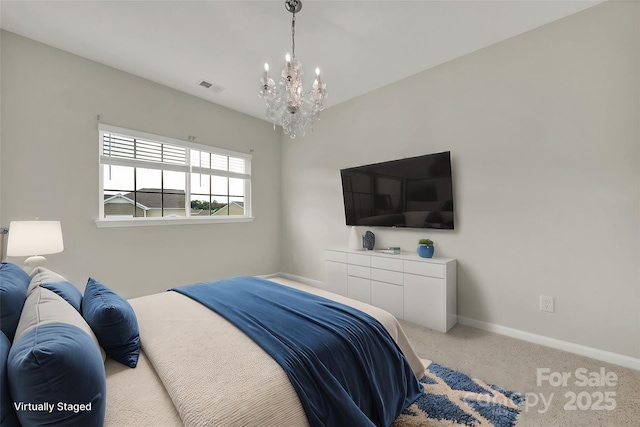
30	238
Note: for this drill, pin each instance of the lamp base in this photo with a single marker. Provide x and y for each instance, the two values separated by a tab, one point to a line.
35	261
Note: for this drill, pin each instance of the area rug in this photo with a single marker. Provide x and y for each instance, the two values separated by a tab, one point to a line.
451	398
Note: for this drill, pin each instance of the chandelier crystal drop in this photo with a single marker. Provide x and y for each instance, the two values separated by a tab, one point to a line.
287	103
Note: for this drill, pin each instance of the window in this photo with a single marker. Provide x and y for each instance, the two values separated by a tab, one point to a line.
148	179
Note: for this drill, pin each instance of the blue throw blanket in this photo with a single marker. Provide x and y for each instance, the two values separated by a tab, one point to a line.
342	362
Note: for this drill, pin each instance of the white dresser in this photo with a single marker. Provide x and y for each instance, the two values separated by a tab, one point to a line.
420	290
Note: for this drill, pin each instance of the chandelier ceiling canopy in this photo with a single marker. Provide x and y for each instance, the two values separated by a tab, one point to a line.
287	103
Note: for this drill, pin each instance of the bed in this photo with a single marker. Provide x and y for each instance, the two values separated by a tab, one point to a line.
196	368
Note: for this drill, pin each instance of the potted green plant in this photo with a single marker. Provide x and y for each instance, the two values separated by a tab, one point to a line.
425	248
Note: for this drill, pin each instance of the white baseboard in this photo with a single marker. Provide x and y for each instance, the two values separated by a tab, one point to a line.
582	350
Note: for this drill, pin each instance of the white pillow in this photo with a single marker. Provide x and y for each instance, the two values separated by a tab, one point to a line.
44	306
41	275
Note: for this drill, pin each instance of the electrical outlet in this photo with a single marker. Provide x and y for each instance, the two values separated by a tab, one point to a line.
546	303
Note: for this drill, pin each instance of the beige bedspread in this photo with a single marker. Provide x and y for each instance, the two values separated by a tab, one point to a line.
136	397
213	373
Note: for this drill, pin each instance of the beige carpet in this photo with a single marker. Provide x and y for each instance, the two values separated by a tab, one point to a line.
513	364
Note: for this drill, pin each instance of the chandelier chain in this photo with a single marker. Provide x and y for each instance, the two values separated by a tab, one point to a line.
293	36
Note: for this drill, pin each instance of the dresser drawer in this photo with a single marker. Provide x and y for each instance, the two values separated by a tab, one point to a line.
387	276
359	288
358	271
335	256
357	259
424	301
386	263
424	268
388	297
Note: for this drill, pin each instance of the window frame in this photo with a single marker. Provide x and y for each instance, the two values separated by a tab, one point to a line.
188	168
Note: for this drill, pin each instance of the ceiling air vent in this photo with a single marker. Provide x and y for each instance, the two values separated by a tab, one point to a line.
211	86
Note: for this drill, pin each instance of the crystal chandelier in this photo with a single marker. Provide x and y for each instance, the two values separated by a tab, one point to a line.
287	103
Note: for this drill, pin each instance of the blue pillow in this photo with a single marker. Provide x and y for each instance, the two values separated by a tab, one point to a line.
67	291
14	283
58	364
113	321
8	416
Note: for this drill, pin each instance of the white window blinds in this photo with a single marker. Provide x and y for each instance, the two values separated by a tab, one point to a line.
124	147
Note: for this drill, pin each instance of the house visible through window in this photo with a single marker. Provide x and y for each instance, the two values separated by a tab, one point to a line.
149	176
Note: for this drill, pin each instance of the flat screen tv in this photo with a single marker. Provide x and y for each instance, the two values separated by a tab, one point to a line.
415	192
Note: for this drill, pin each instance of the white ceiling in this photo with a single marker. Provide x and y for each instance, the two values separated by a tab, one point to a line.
359	45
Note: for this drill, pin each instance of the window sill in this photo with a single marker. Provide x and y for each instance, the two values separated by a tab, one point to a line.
144	222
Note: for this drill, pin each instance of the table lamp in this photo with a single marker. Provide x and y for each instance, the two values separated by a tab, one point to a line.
34	239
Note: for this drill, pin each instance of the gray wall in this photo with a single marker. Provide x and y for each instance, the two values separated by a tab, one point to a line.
49	169
544	134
